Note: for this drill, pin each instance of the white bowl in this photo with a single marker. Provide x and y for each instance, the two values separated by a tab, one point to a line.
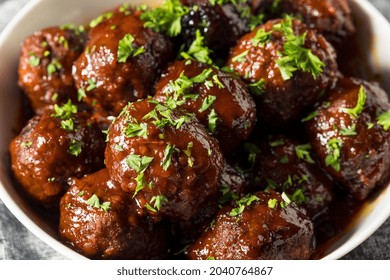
38	14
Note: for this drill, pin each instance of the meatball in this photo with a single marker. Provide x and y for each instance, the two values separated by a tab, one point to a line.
220	101
53	147
45	66
121	61
350	135
284	165
262	226
287	66
231	185
99	220
221	25
332	18
164	159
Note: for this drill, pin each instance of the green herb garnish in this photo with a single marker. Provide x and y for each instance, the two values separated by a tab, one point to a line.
93	201
126	48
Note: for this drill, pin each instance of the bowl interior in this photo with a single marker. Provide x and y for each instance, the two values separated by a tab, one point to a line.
373	28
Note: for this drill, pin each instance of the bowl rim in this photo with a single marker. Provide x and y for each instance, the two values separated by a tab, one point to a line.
58	246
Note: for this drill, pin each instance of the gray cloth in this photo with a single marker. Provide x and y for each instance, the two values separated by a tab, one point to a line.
16	242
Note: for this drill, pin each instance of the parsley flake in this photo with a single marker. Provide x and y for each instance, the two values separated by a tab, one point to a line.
94	202
303	152
166	162
334	153
166	18
242	203
294	55
75	147
198	50
257	88
354	112
137	163
126	48
384	120
159	202
212	120
207	102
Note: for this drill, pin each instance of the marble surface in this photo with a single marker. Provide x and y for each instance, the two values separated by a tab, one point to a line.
17	243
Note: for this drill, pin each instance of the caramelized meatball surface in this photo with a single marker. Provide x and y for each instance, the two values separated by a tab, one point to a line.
99	220
351	137
285	165
220	101
51	149
332	18
267	228
164	159
121	61
45	66
287	66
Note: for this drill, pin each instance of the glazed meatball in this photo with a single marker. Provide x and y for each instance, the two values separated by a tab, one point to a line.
231	186
262	226
52	148
220	101
287	66
221	25
121	61
285	165
99	220
164	159
45	66
332	18
350	135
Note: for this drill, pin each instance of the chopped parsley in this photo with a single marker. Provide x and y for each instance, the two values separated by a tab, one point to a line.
166	18
350	131
133	129
257	88
126	48
227	194
187	152
93	201
53	66
294	55
81	94
67	124
207	102
168	152
95	22
303	152
159	202
137	163
261	37
240	57
65	111
198	50
34	60
298	196
354	112
26	144
272	203
334	153
212	120
242	203
276	143
309	117
75	147
286	200
384	120
253	150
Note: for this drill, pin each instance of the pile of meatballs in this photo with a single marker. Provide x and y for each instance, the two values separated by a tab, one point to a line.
198	129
